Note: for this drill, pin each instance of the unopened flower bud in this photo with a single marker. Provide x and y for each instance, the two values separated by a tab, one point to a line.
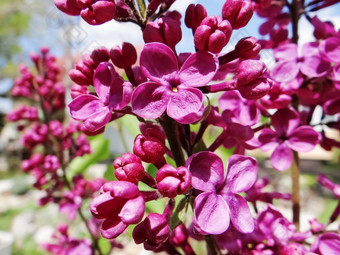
172	182
51	163
194	15
249	70
77	90
238	12
247	48
149	149
69	7
99	55
149	129
255	89
124	57
166	30
153	232
56	128
99	12
129	168
212	34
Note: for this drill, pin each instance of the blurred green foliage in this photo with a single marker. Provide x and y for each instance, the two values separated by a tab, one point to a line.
14	20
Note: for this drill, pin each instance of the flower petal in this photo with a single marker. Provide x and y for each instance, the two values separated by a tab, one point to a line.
186	105
285	71
315	66
240	213
116	96
133	211
157	60
286	51
84	105
285	121
241	173
102	80
281	158
303	139
199	69
149	100
332	106
211	213
98	120
331	49
268	139
112	229
206	169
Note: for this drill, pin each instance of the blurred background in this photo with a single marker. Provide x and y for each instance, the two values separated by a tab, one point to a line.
26	26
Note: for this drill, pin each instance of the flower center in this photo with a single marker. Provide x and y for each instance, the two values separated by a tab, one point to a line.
174	81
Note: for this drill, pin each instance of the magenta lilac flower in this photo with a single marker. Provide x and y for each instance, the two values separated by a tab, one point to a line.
113	94
119	204
172	182
219	202
172	89
286	136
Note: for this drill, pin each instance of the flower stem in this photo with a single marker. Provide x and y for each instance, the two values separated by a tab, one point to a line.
141	7
171	130
295	175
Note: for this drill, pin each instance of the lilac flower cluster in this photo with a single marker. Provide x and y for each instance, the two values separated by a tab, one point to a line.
179	99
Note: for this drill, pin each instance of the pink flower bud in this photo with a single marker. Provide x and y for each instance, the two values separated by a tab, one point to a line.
255	89
194	15
167	30
69	7
212	34
149	129
149	149
249	70
99	12
119	204
172	182
153	232
124	57
129	168
77	90
56	128
99	55
51	163
238	12
247	48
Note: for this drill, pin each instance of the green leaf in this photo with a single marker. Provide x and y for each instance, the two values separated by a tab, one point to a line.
109	173
104	245
131	123
101	151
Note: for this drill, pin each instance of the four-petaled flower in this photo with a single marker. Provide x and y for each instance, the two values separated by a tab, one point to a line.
219	202
170	88
287	135
113	94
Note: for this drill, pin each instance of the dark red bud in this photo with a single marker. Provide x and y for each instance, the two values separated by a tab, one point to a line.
124	57
238	12
247	48
194	15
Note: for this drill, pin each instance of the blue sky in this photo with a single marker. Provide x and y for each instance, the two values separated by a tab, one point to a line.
63	33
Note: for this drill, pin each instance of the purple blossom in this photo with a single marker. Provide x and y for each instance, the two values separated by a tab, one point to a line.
244	111
66	245
172	182
219	202
113	94
309	63
172	89
287	135
327	244
119	204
